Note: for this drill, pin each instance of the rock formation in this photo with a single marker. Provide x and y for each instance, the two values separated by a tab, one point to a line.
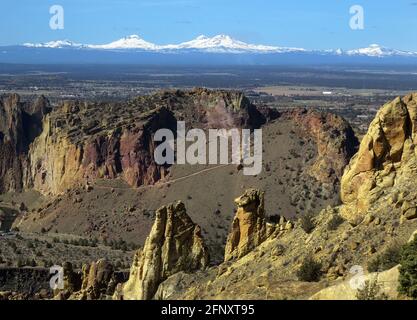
335	140
72	282
96	281
173	245
386	161
387	280
249	227
78	142
75	147
214	108
19	124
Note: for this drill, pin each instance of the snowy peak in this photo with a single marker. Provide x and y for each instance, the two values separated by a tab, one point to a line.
130	42
375	50
225	43
54	44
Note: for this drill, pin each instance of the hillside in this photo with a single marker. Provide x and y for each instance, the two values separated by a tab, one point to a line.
241	237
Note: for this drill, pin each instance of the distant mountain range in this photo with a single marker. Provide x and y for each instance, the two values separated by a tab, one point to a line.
217	44
220	49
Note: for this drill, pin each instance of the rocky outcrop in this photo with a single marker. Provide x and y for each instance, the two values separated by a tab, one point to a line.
348	290
249	227
71	282
75	147
214	108
19	124
96	281
173	245
385	162
336	142
79	142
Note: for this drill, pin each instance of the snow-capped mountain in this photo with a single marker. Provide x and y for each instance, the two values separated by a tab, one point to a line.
222	44
130	42
225	43
54	44
219	43
375	50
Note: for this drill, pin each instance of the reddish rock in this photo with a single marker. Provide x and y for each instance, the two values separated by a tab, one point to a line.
335	140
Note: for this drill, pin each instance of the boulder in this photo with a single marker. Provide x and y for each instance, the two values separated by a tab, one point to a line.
348	289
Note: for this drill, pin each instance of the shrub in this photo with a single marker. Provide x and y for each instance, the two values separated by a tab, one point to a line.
371	291
13	246
47	263
307	223
310	270
118	265
388	259
94	242
19	263
408	270
31	263
123	247
119	245
334	222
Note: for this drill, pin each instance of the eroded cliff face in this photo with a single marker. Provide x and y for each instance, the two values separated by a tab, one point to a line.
336	142
75	147
173	245
386	162
20	123
79	142
204	108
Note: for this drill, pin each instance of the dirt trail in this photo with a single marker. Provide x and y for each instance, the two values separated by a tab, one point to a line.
162	183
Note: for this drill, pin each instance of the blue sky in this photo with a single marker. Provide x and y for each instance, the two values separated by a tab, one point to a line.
301	23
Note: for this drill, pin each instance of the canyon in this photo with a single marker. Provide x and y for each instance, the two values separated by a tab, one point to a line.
204	232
